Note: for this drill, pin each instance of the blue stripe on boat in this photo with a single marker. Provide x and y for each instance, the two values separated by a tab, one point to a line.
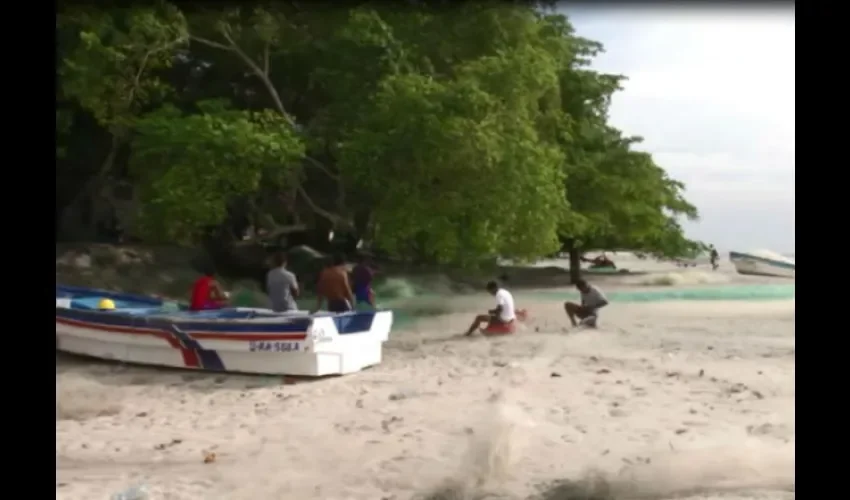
209	359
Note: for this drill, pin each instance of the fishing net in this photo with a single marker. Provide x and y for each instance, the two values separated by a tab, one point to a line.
732	292
407	312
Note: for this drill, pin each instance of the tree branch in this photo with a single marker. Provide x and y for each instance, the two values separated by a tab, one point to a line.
316	163
263	75
260	74
211	43
336	219
143	66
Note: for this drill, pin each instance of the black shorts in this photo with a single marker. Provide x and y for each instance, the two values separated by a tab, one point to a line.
586	312
339	306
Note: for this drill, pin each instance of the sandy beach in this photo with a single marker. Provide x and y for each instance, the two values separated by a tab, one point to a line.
684	399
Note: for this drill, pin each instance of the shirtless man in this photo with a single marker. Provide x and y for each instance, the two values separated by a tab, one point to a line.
334	288
503	313
592	299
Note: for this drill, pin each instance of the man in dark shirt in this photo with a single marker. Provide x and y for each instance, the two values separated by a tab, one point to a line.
592	300
362	276
334	288
713	256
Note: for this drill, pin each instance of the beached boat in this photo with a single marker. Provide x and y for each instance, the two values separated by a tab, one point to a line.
747	263
148	331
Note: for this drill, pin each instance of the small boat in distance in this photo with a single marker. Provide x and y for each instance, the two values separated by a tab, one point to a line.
149	331
761	265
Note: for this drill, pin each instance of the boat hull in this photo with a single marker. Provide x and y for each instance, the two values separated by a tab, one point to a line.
759	266
232	340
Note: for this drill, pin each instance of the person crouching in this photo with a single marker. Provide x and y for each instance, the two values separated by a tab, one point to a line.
592	300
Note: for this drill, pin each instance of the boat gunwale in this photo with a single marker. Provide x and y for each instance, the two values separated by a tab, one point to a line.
268	324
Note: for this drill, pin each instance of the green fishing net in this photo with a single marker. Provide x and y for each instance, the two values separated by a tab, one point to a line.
406	312
731	292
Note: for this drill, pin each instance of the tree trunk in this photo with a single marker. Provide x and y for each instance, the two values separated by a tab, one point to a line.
575	261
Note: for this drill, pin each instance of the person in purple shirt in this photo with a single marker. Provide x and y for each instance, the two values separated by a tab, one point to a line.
362	276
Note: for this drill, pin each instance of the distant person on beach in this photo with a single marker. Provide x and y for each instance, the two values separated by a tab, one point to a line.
281	285
713	257
592	299
207	292
333	287
503	314
362	275
600	261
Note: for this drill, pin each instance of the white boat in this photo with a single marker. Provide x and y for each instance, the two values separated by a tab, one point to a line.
145	330
748	263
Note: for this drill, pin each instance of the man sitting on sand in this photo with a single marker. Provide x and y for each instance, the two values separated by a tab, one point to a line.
334	288
503	314
592	299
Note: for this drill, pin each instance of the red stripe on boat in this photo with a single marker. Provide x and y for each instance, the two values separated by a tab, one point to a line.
247	336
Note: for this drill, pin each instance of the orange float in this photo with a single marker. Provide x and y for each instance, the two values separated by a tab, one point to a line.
505	328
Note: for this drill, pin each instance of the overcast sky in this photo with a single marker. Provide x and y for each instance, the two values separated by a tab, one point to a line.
712	93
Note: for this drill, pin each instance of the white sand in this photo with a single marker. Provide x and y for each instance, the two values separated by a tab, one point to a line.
664	398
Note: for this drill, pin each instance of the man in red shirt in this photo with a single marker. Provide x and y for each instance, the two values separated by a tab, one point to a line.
207	292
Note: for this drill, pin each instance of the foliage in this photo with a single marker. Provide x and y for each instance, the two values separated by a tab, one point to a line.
191	165
450	133
107	66
505	198
622	199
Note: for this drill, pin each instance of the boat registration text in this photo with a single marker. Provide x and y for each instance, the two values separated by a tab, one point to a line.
255	346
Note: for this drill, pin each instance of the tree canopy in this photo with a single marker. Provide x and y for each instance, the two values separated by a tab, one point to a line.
455	133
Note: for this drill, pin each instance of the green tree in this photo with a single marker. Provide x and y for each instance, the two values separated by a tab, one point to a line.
454	133
449	152
618	196
190	167
259	38
622	199
107	68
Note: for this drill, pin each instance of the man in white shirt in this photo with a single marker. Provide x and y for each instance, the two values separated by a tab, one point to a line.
592	299
503	314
